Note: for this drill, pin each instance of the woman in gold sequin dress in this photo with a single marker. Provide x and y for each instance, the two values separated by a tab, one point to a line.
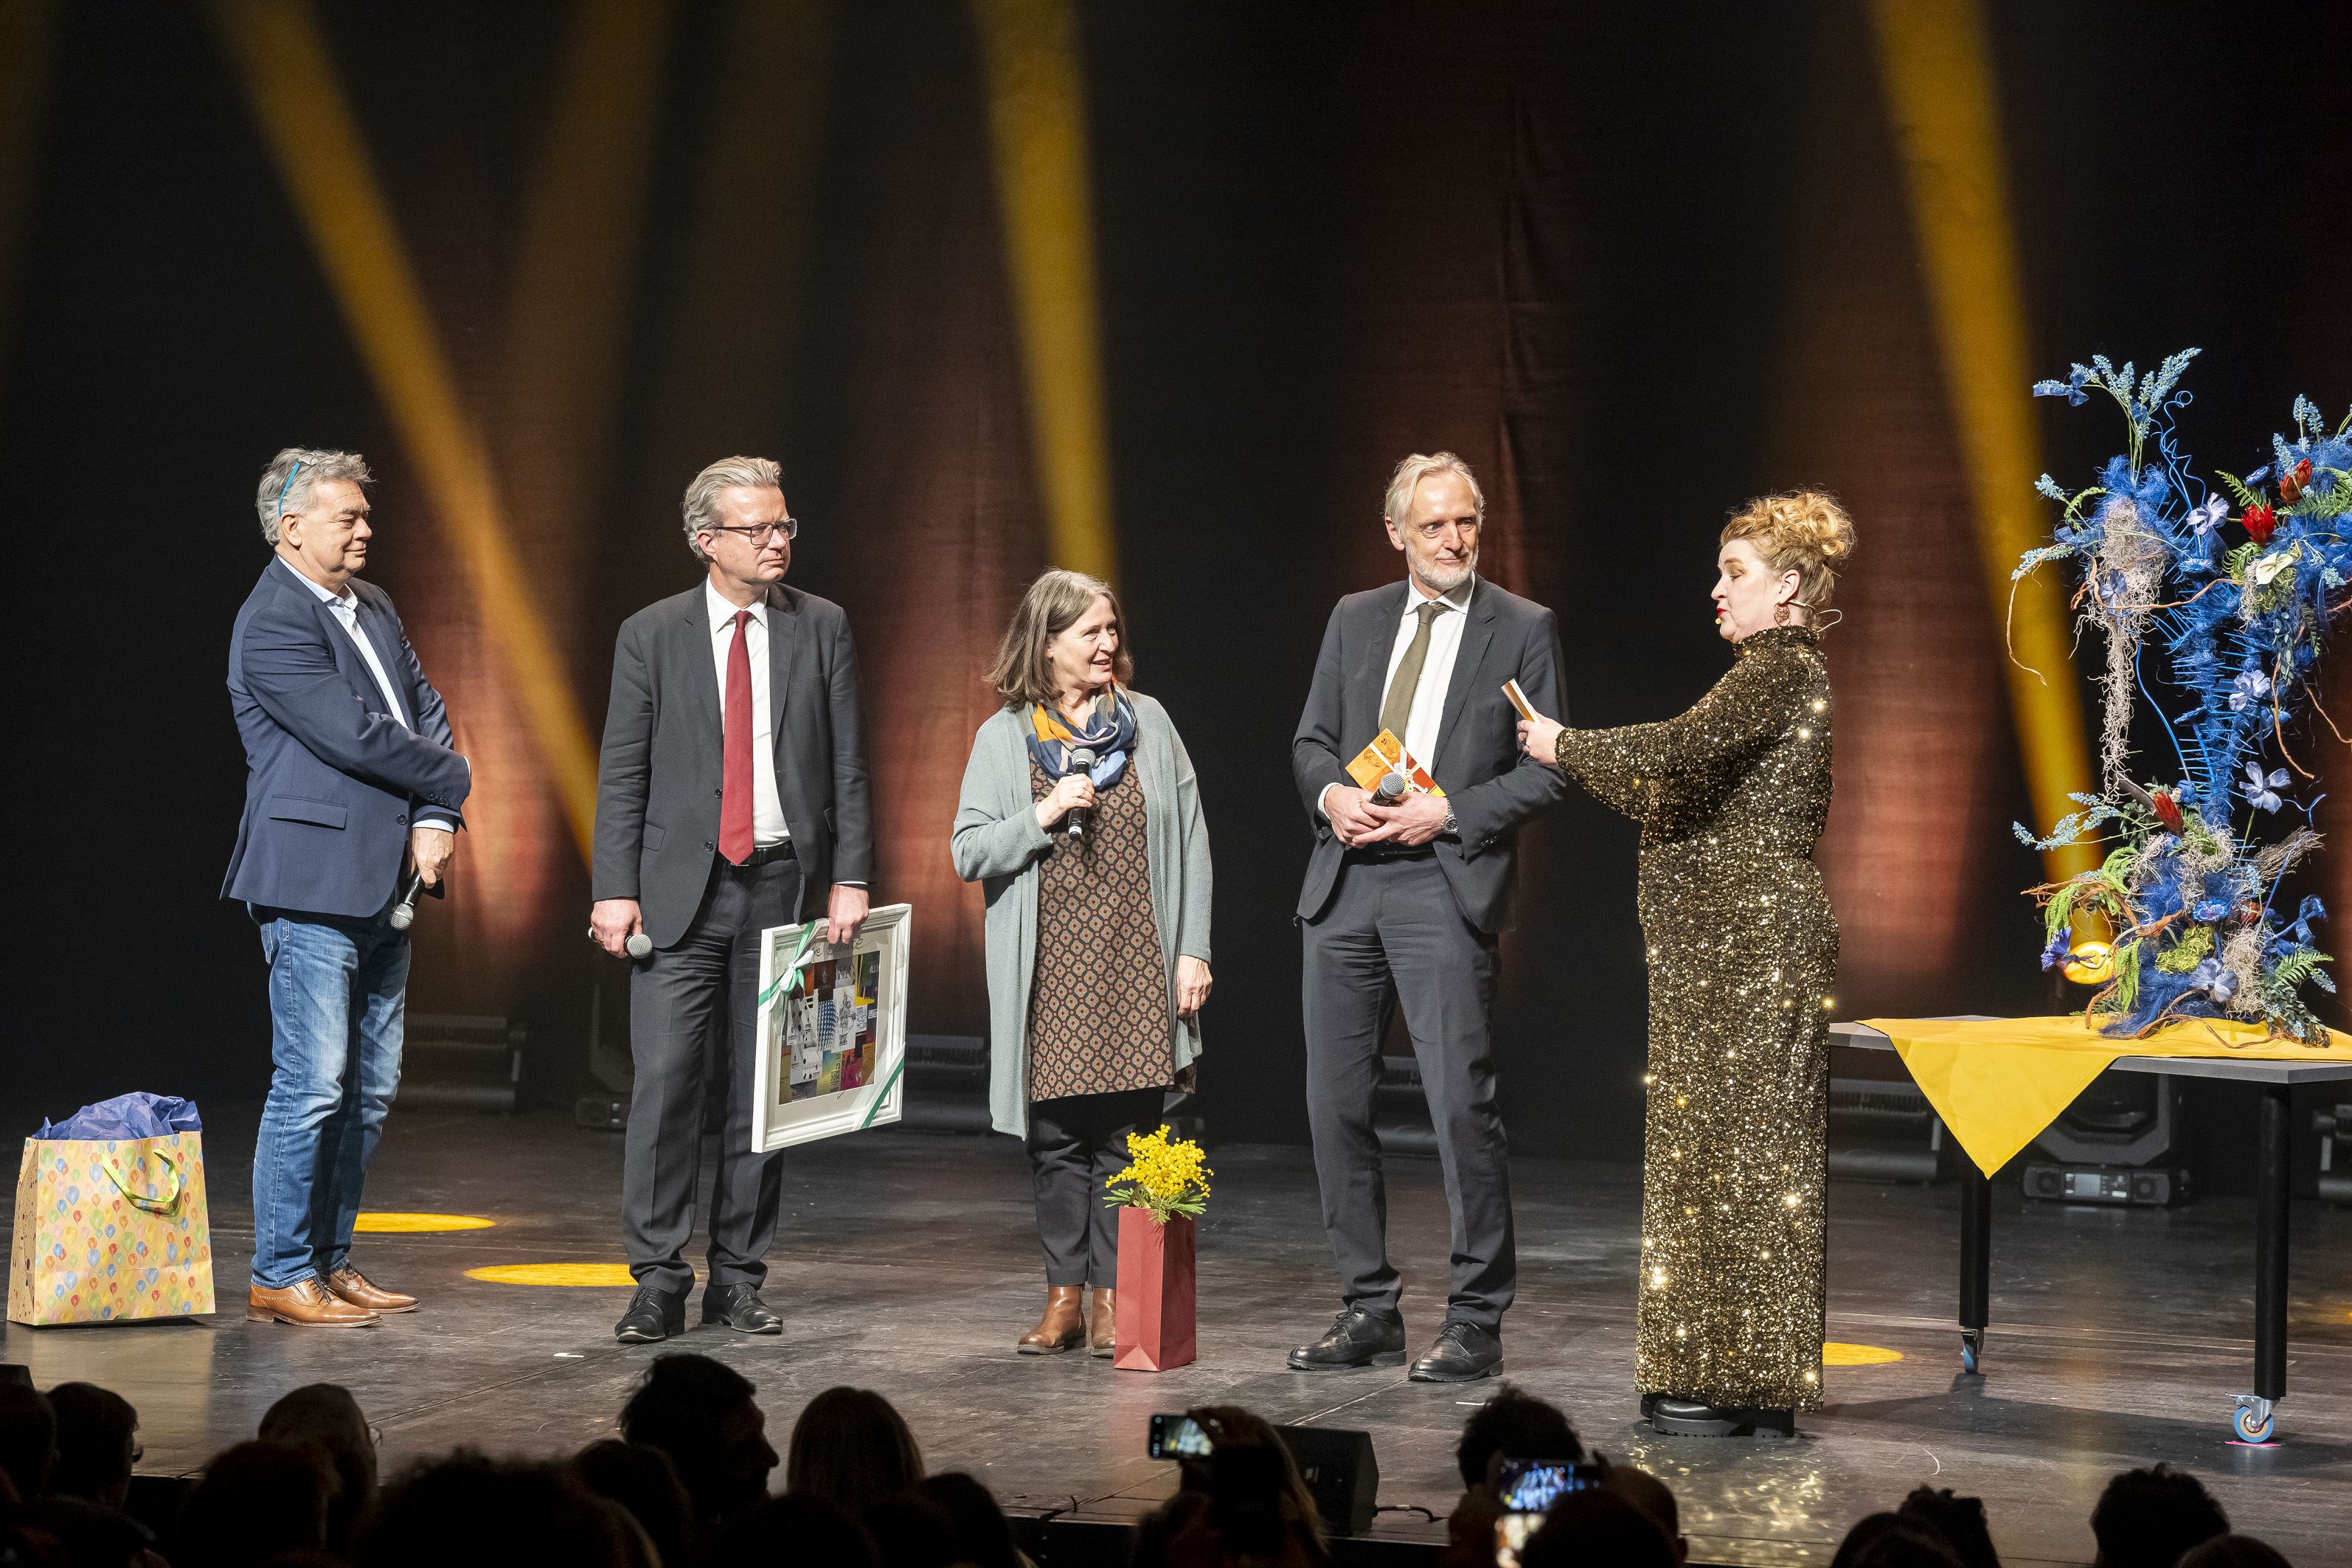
1743	956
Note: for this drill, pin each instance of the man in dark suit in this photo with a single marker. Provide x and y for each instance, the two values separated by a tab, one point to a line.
351	779
732	797
1402	904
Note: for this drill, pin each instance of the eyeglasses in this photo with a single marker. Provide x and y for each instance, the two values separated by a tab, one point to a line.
758	534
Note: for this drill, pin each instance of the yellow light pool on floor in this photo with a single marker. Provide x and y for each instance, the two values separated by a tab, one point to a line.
592	1274
1857	1356
421	1222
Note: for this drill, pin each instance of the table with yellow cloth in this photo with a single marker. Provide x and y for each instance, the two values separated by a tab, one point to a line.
1996	1083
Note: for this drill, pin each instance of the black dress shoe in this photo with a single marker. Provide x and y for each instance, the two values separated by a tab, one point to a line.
740	1307
1358	1337
653	1315
1464	1353
1693	1419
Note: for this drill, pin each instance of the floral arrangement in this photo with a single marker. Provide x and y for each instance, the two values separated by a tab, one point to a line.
1164	1177
2238	618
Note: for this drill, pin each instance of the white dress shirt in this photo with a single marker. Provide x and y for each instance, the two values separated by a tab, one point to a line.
768	825
1428	711
346	607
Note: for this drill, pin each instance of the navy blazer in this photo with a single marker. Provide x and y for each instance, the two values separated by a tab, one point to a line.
661	777
1492	785
332	779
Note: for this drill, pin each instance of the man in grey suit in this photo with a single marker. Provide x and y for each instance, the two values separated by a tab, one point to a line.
731	797
1402	904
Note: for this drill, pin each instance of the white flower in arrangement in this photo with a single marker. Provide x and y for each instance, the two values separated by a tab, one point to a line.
2270	566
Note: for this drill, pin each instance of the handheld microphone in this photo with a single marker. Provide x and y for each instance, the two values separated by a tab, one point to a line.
640	945
404	913
1391	790
1082	761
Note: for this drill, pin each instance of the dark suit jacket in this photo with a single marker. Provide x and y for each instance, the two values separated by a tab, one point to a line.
332	779
1491	784
658	785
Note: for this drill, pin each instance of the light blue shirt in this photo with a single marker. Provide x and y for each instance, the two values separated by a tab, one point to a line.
346	608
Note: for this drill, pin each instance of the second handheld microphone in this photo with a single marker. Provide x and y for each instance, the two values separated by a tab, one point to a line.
1082	761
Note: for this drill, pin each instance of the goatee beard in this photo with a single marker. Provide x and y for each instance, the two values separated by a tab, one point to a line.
1441	583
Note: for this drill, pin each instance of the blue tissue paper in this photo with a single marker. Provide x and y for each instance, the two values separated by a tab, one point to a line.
137	1115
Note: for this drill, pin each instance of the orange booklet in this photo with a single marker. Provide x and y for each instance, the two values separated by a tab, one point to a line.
1387	756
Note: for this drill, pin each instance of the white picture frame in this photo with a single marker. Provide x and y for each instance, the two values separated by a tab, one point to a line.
828	1012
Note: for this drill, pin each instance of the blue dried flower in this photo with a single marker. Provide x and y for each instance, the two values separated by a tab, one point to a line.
2204	519
2246	692
2053	953
2071	389
2215	981
2260	791
2209	911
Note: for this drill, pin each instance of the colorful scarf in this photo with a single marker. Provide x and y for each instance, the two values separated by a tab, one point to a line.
1109	733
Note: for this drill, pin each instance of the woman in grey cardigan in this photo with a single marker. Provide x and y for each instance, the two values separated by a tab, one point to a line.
1098	932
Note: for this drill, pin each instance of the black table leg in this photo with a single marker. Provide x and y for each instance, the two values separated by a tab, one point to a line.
1976	1262
2270	1244
2252	1419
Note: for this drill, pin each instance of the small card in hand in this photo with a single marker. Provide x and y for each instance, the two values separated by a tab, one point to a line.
1386	755
1518	699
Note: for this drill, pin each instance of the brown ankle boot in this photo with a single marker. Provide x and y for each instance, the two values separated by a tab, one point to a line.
1102	1334
1063	1326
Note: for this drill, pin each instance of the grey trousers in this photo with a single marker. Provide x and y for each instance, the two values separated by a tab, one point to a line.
674	1000
1076	1145
1393	936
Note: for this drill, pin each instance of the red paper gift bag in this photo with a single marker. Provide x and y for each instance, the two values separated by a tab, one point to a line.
1155	1292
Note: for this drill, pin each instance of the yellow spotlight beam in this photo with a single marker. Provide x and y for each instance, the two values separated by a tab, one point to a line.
1936	71
306	120
1037	126
569	297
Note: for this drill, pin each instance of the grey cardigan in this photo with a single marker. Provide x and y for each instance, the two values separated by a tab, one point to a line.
997	843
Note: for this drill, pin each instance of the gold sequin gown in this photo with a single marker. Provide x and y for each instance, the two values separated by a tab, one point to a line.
1732	797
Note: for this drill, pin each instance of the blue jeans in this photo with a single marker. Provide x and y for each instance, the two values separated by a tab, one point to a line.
337	993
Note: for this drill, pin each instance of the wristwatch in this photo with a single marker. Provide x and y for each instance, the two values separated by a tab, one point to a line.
1451	827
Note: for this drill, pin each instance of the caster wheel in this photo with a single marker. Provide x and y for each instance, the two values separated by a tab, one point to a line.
2252	1421
1971	1350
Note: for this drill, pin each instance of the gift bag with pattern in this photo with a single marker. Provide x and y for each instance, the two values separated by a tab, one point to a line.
109	1229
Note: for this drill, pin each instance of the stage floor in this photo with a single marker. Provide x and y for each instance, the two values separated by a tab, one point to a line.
906	1263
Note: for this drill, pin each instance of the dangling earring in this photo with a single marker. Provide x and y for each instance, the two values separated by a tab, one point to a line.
1779	615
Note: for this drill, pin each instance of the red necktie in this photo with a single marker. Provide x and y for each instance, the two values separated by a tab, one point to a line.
735	802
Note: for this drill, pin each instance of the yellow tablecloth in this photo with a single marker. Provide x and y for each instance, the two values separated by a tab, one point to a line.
1997	1082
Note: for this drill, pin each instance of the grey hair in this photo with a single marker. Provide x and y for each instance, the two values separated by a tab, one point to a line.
701	504
305	467
1398	504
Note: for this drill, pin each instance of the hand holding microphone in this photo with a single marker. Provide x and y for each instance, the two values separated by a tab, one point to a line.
1070	792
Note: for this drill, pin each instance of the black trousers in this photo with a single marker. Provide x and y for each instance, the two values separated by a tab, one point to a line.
675	999
1076	1145
1393	936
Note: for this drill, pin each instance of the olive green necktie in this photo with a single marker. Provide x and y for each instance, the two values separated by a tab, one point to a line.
1396	709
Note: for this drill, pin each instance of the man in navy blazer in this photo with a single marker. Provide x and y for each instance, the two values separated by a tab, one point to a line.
350	782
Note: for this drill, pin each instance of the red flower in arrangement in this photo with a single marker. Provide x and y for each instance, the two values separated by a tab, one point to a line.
2292	483
2168	810
2259	523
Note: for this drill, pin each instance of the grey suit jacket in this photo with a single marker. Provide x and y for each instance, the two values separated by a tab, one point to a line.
657	786
1492	786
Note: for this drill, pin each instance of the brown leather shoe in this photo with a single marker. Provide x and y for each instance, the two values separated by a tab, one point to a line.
1102	1332
308	1304
1064	1326
352	1286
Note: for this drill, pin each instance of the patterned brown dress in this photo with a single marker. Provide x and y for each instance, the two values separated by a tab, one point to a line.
1098	1003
